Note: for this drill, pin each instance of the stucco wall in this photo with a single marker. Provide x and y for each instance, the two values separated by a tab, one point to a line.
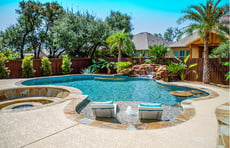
195	52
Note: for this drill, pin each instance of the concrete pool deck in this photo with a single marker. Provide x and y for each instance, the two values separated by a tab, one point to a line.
49	127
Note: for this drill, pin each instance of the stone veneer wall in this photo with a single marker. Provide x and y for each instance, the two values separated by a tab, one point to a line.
33	91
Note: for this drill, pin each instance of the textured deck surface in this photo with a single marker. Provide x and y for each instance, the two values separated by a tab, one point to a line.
49	127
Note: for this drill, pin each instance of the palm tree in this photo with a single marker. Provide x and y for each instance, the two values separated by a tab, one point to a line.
158	52
120	40
205	20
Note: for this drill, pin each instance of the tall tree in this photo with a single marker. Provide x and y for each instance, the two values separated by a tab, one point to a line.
223	51
119	21
120	40
51	13
71	33
1	41
172	34
204	19
159	35
11	38
80	34
29	18
158	52
99	31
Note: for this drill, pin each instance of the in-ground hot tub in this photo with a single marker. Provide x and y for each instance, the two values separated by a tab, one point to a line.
27	98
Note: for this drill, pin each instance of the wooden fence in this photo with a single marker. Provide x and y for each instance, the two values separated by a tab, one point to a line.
217	71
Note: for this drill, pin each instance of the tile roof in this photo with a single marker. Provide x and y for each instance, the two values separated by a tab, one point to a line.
183	42
225	20
143	40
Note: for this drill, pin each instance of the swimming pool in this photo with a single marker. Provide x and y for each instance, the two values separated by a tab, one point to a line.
106	88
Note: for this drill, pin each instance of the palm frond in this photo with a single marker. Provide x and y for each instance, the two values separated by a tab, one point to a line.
186	59
196	74
227	75
192	65
204	18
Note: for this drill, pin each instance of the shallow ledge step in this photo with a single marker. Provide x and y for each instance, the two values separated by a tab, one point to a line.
106	78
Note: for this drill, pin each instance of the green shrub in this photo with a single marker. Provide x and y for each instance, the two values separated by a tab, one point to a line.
27	67
107	65
46	67
122	65
227	75
9	54
4	72
222	51
176	67
96	66
181	68
66	65
87	71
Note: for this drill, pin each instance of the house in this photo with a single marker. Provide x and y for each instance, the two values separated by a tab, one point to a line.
193	44
143	40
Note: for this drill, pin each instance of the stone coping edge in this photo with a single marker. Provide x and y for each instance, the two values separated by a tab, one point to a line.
71	112
72	94
79	100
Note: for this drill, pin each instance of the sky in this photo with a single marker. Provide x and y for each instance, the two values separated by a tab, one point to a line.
153	16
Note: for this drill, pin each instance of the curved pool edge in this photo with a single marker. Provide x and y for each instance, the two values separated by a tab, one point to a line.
19	83
188	109
79	100
71	112
15	94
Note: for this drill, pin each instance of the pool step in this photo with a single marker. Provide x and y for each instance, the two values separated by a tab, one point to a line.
112	78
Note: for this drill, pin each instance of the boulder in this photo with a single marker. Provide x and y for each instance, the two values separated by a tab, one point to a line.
125	71
158	71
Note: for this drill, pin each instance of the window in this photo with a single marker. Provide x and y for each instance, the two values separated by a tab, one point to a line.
176	53
146	54
182	53
188	52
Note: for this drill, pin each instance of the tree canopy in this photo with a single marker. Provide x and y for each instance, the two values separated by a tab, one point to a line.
204	18
158	52
223	51
171	34
48	27
118	21
120	40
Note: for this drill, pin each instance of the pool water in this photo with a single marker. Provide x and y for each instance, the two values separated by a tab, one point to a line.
22	106
104	88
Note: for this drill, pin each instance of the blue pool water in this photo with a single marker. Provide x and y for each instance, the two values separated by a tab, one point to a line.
119	89
22	106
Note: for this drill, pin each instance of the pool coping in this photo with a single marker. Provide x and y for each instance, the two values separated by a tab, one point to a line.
72	95
188	113
79	100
